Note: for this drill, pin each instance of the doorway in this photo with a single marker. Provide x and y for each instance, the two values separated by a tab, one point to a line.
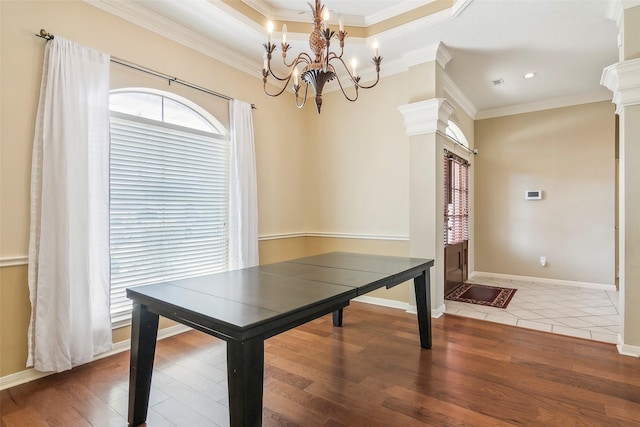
456	265
456	220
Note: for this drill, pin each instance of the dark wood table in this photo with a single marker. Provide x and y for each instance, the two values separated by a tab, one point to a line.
245	307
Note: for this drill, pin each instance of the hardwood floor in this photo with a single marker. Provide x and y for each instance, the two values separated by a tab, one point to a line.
371	372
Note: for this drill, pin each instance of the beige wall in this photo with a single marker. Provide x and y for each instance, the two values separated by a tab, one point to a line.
568	153
280	149
631	45
358	164
14	319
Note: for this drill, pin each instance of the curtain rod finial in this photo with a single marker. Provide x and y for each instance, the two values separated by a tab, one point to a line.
45	35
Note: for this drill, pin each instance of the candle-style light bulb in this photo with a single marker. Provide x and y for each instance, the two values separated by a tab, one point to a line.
325	17
341	23
270	29
284	34
295	76
354	64
265	61
376	45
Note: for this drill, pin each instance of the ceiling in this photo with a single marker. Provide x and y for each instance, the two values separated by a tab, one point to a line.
566	43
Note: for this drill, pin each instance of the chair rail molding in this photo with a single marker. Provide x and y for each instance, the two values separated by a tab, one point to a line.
12	261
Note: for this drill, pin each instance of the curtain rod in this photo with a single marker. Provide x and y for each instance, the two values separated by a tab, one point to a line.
464	147
48	36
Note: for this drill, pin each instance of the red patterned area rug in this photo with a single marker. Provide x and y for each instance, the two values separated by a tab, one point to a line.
473	293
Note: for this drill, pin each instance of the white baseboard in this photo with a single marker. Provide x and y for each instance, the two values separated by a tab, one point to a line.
438	312
627	350
588	285
409	308
384	302
31	374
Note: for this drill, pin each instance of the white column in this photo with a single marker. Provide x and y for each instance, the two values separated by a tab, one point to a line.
623	79
426	122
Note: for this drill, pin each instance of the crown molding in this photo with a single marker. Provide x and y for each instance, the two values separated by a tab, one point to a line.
452	89
623	79
437	52
397	9
138	15
261	7
135	13
459	6
277	14
615	10
415	25
543	105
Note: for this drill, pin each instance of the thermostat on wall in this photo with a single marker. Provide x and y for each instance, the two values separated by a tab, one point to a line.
533	195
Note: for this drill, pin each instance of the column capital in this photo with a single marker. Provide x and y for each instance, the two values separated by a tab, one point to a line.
623	79
430	116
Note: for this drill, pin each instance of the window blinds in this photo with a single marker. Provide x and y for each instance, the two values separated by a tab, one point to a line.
169	201
456	204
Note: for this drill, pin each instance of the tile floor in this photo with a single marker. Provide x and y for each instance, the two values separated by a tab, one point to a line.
565	310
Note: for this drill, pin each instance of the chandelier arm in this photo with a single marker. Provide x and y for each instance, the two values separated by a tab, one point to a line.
345	93
304	100
266	71
374	83
272	74
376	61
344	65
273	95
334	55
302	57
265	74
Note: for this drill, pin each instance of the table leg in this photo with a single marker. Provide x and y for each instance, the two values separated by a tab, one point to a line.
337	317
144	332
422	287
245	373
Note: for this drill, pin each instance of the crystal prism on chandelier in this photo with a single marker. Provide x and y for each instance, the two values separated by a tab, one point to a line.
318	67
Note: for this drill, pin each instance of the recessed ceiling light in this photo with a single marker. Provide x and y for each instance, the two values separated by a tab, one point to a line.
529	76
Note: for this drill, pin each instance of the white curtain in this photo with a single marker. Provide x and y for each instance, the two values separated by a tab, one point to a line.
69	236
243	192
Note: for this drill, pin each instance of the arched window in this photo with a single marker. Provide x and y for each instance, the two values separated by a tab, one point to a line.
454	132
169	163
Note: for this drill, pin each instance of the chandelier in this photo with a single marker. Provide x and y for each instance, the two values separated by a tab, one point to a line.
318	67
